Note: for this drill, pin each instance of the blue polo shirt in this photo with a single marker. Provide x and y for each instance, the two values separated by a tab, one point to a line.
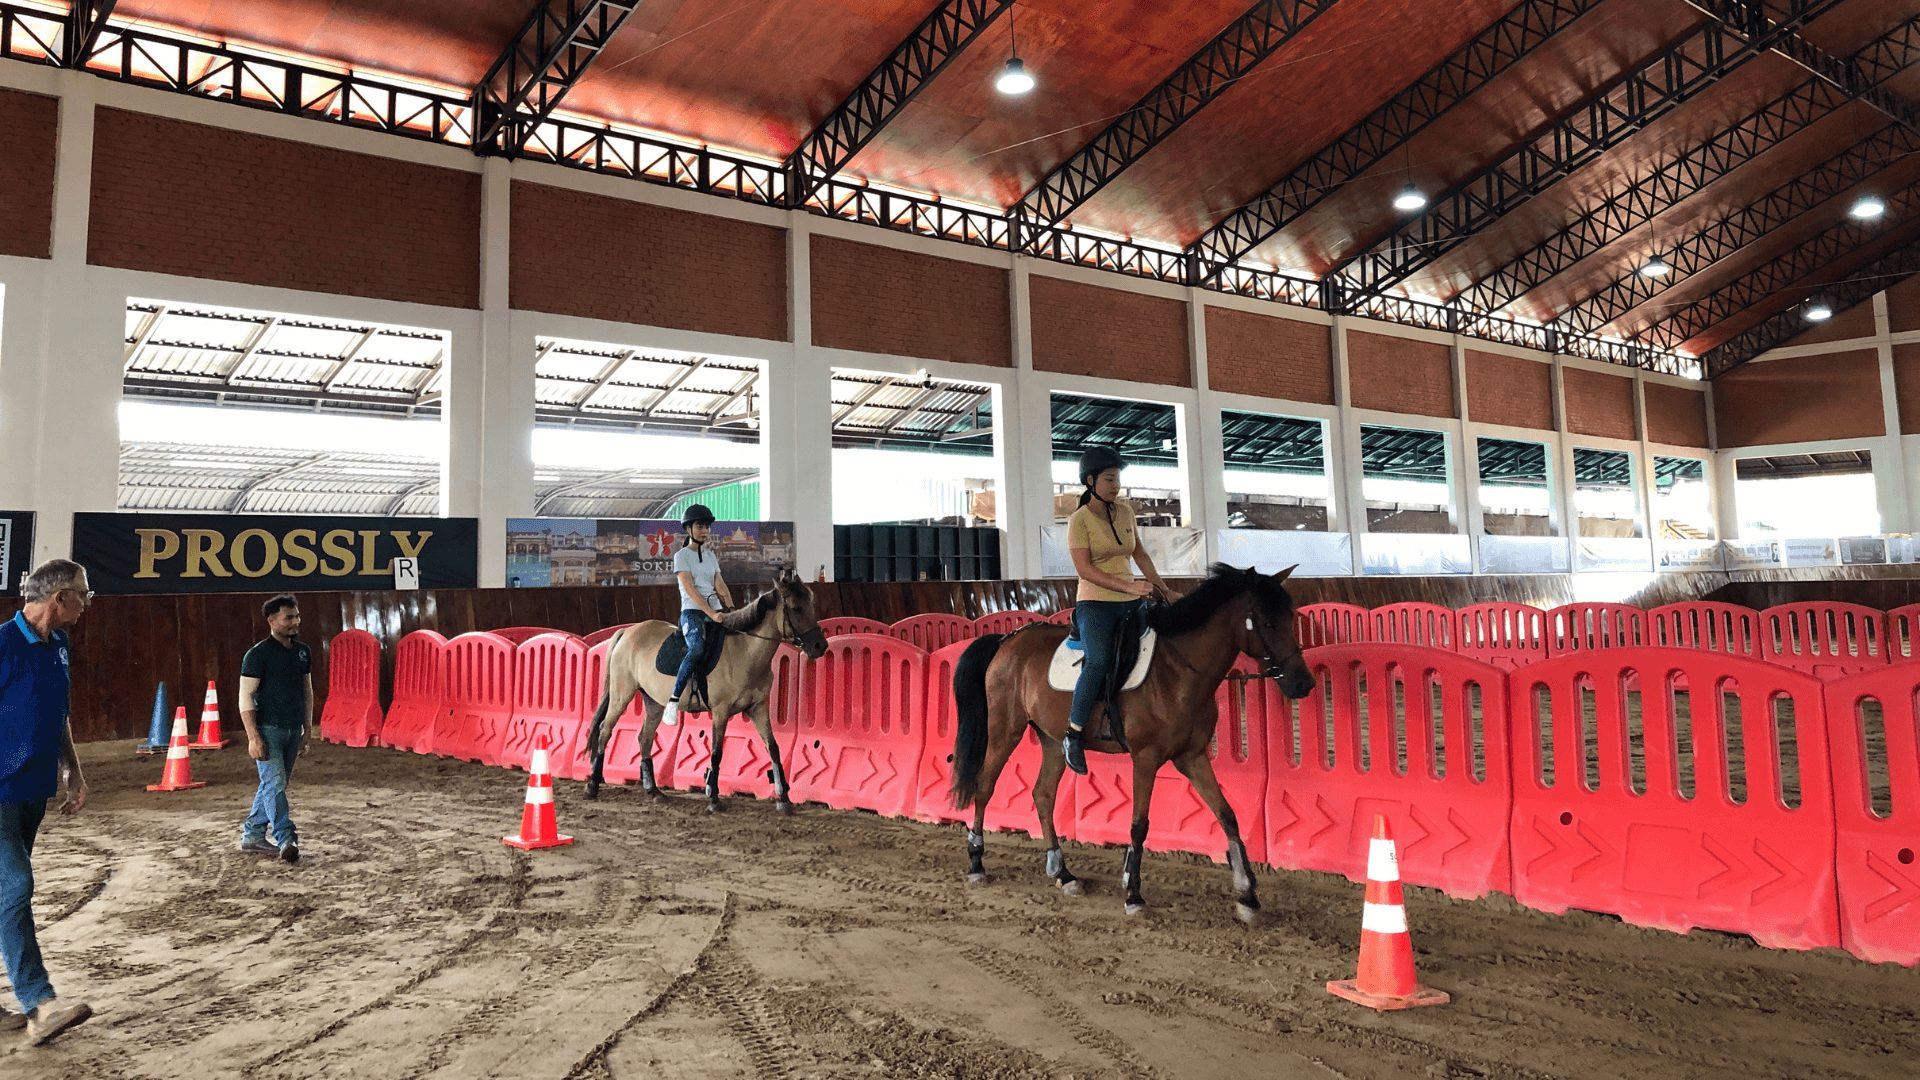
33	711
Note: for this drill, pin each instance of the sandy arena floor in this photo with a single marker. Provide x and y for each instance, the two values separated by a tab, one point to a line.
671	943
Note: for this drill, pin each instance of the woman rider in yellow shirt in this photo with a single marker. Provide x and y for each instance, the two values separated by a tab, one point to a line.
1105	546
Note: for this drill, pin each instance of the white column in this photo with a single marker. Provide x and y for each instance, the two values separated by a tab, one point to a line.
1894	480
487	414
1343	447
1035	421
1644	471
1569	517
1470	514
1203	450
796	421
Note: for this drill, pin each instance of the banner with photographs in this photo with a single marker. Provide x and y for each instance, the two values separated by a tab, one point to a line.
543	552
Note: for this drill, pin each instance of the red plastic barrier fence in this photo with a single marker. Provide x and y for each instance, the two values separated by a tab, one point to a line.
479	698
1002	622
549	701
1824	638
1872	720
1417	734
419	692
930	632
1178	820
518	634
1011	808
605	633
1902	622
1502	634
621	765
1584	627
352	713
848	624
745	767
1707	625
1703	800
1063	617
1331	624
857	745
1429	626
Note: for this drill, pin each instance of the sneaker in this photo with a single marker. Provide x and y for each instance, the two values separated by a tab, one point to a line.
52	1018
290	853
258	846
671	714
12	1021
1073	744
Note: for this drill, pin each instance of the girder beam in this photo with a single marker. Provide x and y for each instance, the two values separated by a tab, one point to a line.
1232	54
553	49
947	30
85	20
1746	16
1491	53
1884	273
1605	119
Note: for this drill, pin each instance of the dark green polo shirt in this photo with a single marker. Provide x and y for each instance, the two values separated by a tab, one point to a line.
281	701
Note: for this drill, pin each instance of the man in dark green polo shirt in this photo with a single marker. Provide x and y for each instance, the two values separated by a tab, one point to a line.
276	707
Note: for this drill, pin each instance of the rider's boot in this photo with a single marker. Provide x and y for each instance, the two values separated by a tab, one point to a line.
1075	746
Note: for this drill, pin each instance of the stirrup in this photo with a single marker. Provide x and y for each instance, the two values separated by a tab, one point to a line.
1073	743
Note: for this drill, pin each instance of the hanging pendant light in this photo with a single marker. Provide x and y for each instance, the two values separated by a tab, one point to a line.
1656	267
1819	311
1014	79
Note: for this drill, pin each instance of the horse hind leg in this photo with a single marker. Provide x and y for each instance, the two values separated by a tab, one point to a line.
1198	769
999	749
714	805
1053	764
621	687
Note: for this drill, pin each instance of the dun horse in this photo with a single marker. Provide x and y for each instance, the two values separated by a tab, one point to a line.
1000	686
740	683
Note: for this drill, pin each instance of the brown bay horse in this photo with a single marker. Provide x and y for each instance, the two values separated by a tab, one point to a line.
741	682
1000	687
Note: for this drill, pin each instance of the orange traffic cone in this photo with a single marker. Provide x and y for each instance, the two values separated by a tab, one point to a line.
538	829
1386	979
210	722
177	775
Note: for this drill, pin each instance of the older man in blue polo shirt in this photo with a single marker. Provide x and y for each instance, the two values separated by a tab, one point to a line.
35	743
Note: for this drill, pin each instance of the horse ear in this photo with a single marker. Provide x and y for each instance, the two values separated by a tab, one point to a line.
1287	573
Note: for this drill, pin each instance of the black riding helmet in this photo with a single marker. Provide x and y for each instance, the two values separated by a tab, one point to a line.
1098	460
698	512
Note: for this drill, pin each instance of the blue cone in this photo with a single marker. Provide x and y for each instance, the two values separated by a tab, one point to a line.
161	730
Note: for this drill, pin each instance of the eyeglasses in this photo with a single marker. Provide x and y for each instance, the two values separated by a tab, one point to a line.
85	597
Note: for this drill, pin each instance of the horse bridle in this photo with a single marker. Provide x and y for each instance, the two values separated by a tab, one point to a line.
790	639
1272	668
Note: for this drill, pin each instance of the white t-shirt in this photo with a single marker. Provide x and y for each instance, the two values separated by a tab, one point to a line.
704	567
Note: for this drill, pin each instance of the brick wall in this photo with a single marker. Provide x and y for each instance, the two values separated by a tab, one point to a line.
1087	330
1598	403
606	258
1676	415
179	198
1836	396
1511	390
1855	322
903	303
1903	305
1906	386
1400	375
1269	357
30	131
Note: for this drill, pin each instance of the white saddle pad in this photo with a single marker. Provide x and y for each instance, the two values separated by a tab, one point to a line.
1065	669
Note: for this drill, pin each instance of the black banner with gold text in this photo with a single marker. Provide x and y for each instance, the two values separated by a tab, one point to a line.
185	553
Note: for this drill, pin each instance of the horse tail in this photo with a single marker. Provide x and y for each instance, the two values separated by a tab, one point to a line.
970	733
595	733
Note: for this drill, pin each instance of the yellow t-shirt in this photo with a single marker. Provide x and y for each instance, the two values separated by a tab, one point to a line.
1088	528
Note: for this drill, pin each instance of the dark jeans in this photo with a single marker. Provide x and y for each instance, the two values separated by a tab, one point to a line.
270	800
1095	622
693	626
19	824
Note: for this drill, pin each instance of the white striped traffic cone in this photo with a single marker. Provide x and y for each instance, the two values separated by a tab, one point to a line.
177	775
210	722
538	828
1386	979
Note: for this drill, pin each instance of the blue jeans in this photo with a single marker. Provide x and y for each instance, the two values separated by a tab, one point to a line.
19	823
1094	622
693	626
270	801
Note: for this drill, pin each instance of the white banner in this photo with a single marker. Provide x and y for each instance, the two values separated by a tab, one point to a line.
1811	552
1613	553
1753	554
1523	554
1688	555
1178	551
1318	554
1416	553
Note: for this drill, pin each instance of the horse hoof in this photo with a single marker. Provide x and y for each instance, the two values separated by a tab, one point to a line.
715	806
1136	907
783	808
1249	914
1073	888
976	879
593	792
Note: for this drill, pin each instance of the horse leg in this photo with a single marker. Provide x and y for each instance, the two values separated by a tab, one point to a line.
762	717
1053	764
714	805
648	729
996	760
1198	769
621	687
1143	774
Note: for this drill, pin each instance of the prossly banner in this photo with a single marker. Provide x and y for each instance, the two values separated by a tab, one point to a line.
176	553
589	551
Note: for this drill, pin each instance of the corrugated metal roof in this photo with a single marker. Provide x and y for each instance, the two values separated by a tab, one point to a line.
602	383
871	408
247	480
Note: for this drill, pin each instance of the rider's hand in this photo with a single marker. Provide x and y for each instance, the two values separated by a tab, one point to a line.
1139	588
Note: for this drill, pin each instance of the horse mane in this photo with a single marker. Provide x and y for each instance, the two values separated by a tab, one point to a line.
748	617
1223	583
